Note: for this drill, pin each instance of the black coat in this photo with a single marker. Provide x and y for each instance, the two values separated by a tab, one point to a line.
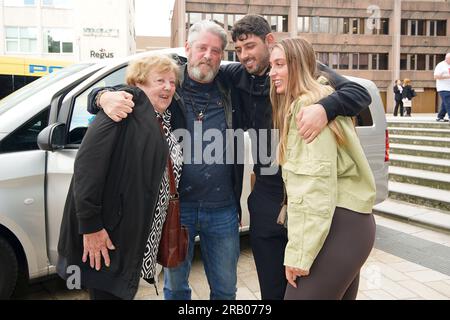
408	92
117	175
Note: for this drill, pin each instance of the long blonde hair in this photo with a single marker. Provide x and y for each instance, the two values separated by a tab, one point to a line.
302	82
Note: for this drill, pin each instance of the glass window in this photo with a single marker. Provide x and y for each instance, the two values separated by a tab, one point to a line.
374	61
441	28
355	61
58	3
363	61
58	40
25	138
344	61
421	28
413	31
433	28
412	62
403	61
324	25
346	25
355	26
421	61
307	24
431	61
21	39
284	23
384	26
315	24
19	3
333	25
404	27
300	23
383	61
80	117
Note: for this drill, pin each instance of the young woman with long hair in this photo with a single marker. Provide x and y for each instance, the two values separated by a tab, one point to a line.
329	184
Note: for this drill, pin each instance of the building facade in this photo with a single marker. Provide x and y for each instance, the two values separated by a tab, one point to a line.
72	30
381	40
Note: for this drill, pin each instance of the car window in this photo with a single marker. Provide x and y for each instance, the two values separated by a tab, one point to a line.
37	86
25	138
81	118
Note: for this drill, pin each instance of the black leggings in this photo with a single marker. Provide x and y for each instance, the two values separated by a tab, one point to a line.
335	272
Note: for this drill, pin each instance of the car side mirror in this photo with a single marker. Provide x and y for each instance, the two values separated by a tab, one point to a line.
52	137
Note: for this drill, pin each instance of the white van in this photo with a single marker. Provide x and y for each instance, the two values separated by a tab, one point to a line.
34	182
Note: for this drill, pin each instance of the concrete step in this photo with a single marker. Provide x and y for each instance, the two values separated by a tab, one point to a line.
442	133
414	214
424	178
420	195
404	123
421	163
421	151
422	141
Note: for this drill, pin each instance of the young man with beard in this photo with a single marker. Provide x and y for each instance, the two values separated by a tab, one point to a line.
251	87
209	193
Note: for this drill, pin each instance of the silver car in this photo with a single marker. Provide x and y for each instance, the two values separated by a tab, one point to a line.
34	182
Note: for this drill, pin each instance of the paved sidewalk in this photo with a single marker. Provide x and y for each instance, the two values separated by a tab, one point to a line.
408	262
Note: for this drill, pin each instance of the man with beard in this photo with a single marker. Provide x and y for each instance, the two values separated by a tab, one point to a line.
209	191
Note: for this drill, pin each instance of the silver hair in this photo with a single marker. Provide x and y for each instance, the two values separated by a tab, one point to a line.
208	26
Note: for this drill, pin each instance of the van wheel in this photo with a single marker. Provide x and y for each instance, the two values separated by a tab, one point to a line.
9	269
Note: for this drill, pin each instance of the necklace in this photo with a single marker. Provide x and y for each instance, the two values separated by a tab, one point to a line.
199	112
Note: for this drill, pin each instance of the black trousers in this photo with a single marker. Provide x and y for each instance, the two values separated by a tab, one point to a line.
398	103
268	241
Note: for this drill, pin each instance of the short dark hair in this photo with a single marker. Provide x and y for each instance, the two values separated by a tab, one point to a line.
248	25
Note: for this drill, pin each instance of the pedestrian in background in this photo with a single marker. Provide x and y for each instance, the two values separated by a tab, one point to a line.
408	94
398	90
442	77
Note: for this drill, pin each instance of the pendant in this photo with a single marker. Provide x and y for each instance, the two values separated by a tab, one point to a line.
200	117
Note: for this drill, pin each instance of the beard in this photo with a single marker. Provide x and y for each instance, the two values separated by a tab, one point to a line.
196	72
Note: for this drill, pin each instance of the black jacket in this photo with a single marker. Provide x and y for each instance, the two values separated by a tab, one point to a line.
408	92
397	94
117	175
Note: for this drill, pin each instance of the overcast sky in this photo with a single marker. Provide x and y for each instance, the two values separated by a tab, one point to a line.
152	17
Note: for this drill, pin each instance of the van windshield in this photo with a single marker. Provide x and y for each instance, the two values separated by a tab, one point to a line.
38	85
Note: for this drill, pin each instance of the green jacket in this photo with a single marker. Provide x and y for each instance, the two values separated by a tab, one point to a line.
319	177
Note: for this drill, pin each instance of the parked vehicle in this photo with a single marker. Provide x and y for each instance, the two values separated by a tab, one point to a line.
34	182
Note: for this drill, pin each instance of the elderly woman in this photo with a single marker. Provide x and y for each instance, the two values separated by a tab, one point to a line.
118	197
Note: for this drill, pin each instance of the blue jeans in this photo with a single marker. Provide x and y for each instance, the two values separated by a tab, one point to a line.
445	106
219	235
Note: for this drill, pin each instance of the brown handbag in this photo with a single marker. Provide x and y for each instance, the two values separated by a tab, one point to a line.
174	242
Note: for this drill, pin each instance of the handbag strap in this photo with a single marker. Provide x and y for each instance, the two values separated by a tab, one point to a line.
172	184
